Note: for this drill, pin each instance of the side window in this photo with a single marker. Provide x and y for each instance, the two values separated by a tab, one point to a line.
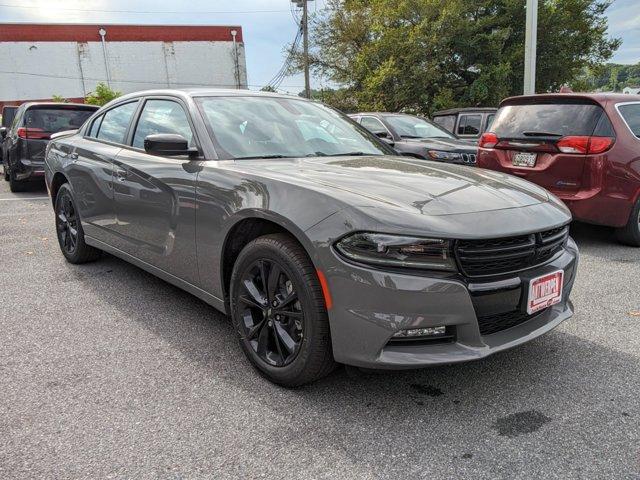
490	118
469	124
95	126
374	125
446	121
162	116
116	122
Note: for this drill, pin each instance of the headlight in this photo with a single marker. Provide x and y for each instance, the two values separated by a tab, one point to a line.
398	251
447	156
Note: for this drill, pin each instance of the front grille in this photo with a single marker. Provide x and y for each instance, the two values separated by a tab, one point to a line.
469	158
496	323
481	258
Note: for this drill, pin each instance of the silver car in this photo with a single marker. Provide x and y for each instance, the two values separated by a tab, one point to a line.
321	244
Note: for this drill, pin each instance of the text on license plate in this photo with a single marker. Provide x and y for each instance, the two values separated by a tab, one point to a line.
545	291
523	159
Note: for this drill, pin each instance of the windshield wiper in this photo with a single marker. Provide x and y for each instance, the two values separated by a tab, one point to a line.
541	134
353	154
265	157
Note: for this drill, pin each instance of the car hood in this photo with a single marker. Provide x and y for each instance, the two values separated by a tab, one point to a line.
413	186
445	144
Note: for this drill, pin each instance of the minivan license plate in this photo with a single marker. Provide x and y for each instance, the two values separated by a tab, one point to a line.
524	159
545	291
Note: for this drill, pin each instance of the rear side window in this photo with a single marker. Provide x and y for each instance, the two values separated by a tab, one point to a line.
490	118
95	126
116	122
53	120
521	121
631	115
469	124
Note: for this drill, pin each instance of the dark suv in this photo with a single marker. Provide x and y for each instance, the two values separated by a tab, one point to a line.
24	143
417	137
584	148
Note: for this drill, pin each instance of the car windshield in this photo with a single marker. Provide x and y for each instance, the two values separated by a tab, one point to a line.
56	119
274	127
556	119
408	126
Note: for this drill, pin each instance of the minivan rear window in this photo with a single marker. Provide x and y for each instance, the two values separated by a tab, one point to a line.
53	120
512	121
631	115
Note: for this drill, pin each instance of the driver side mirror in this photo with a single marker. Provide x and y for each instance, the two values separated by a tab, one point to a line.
168	145
3	132
386	138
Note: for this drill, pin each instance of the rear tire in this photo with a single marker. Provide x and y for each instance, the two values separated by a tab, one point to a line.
69	229
281	322
15	185
6	173
630	234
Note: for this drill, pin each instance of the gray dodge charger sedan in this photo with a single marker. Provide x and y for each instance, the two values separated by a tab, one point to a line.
320	244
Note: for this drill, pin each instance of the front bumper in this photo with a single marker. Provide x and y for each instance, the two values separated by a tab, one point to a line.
369	306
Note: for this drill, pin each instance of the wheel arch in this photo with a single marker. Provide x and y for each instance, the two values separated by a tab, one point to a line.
57	181
248	226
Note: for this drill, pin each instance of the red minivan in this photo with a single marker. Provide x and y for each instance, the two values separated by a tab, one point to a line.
584	148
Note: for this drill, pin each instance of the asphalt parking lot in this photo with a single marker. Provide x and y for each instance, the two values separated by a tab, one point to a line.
106	371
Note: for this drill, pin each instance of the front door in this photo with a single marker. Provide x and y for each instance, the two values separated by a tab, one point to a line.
154	196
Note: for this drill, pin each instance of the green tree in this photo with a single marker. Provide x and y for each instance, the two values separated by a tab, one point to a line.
59	98
102	95
423	55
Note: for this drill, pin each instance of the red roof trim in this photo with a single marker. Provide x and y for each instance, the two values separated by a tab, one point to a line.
116	33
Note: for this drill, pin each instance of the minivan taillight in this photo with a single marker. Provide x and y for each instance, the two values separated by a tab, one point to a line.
33	133
584	145
488	140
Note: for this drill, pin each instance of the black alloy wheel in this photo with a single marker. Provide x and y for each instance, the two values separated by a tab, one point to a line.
69	229
279	312
272	316
67	224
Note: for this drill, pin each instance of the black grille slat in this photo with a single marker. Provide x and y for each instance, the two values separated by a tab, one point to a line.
491	257
497	323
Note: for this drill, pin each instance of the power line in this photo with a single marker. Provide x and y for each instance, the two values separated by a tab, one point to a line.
175	12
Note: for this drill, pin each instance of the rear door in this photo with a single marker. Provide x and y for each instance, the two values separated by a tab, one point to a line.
90	170
155	196
531	137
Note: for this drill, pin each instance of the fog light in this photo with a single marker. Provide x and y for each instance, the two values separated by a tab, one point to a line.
421	332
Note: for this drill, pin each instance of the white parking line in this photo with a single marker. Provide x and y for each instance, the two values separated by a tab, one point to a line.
25	199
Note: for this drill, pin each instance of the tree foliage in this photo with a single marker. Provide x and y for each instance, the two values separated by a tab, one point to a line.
424	55
102	95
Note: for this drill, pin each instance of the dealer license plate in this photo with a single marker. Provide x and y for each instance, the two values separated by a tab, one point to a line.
545	291
524	159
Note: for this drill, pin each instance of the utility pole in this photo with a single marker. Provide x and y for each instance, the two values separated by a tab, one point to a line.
305	43
530	44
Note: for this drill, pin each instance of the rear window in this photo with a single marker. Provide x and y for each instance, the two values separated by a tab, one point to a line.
512	121
631	115
53	120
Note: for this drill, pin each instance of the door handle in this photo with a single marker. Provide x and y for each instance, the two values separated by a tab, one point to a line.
121	174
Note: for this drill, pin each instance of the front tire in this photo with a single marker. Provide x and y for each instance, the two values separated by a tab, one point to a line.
630	234
279	313
69	229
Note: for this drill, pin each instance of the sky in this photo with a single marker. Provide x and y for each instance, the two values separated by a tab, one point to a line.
268	25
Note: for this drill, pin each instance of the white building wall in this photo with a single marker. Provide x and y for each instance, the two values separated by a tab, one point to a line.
37	70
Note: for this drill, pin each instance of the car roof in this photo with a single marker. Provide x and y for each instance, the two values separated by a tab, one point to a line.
455	111
206	92
599	98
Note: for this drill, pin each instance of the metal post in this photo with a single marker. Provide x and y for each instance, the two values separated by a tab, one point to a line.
305	43
530	42
103	34
236	59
